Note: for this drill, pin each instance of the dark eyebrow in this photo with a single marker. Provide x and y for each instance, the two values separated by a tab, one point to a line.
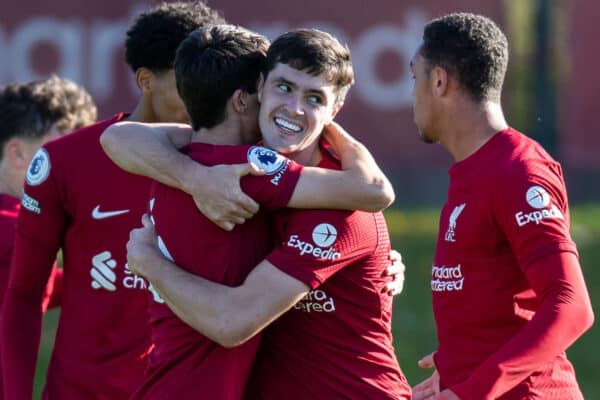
285	81
293	85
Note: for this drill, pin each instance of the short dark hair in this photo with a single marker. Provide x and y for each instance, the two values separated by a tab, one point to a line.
211	64
31	110
472	48
314	52
153	38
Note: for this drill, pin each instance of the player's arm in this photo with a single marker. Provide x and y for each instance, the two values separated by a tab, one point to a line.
563	316
152	150
361	185
548	258
226	315
21	325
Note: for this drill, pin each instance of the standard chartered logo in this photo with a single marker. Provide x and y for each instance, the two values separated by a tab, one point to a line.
104	276
316	301
447	278
102	272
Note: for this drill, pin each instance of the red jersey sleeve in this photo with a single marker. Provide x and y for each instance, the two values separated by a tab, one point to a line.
40	228
530	206
564	314
274	189
318	243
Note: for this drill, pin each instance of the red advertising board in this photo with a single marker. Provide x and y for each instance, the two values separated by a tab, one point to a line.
84	40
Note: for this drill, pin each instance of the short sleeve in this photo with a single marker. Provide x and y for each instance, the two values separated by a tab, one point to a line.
530	206
318	243
274	189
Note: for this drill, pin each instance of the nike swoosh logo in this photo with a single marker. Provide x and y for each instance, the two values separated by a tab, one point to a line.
97	214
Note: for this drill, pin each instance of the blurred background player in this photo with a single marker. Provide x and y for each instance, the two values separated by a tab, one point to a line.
506	280
87	206
30	115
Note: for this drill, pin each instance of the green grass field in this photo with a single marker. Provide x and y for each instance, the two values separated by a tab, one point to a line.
413	233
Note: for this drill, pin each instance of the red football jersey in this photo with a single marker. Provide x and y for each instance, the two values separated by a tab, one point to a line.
9	210
184	364
76	199
336	342
506	207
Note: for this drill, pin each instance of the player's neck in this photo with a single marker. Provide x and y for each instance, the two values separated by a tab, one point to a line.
143	112
7	185
310	156
227	132
470	126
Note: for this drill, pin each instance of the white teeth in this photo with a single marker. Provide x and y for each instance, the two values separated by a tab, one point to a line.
287	125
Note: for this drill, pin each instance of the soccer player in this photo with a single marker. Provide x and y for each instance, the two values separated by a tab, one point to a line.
78	200
32	114
508	292
327	268
217	70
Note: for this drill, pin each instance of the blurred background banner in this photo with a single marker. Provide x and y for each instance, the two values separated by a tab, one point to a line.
84	41
550	90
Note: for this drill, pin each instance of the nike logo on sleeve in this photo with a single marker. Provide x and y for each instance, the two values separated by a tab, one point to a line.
97	214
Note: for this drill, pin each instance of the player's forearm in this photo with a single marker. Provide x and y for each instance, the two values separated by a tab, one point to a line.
564	315
20	337
208	307
145	149
351	189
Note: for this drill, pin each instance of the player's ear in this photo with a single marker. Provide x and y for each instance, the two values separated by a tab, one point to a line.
438	80
239	101
14	153
144	78
260	86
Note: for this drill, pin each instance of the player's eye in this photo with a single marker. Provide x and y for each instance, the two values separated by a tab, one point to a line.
284	87
314	99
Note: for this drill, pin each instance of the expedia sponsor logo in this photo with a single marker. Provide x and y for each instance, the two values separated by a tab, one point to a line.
446	278
539	198
316	301
39	167
310	249
266	159
31	204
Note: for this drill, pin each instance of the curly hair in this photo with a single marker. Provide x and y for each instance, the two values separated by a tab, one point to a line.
79	107
472	48
32	109
153	38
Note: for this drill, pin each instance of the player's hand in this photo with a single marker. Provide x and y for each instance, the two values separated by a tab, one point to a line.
337	137
429	389
220	198
142	247
396	272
